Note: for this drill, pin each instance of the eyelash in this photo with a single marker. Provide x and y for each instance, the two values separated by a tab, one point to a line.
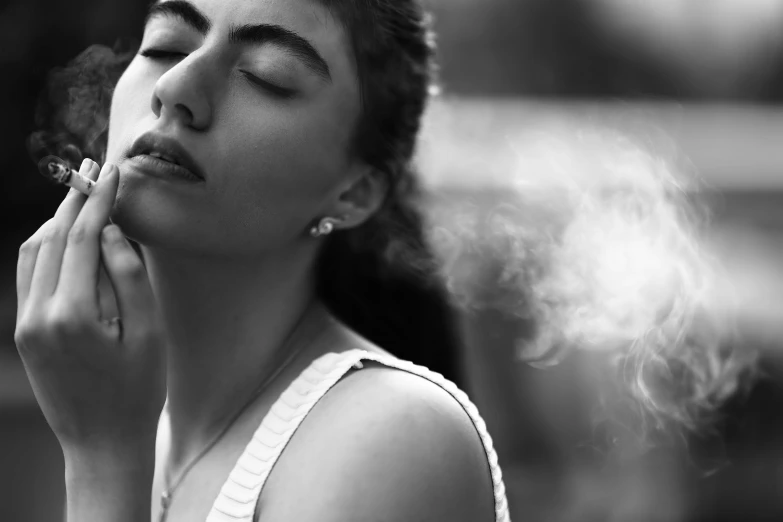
158	54
274	89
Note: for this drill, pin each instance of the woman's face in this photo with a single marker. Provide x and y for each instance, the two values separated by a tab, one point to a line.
263	97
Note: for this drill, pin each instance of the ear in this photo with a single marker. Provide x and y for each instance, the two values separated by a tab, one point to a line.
360	198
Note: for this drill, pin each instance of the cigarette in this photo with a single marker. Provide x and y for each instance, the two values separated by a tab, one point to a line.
57	170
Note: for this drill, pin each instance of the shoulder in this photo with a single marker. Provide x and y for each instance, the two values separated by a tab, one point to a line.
383	444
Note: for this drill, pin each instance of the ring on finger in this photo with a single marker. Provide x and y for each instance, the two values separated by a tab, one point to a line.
118	322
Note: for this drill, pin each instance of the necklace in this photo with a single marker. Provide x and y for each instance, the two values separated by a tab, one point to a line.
168	491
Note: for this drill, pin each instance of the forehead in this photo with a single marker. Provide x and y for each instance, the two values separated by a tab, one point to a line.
308	16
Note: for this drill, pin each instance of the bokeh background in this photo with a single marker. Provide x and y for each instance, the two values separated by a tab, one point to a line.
699	80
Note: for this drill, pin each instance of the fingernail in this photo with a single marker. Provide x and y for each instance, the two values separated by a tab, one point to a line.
86	164
112	233
105	170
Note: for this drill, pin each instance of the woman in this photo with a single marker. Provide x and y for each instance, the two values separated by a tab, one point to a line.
258	153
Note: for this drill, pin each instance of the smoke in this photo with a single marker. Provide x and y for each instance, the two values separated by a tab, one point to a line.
597	242
73	110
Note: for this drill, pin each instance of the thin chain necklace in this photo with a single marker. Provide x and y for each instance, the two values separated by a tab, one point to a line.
168	492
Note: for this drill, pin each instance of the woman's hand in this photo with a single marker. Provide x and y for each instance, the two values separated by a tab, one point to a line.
100	383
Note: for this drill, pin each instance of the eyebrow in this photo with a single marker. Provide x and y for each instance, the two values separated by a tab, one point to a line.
248	34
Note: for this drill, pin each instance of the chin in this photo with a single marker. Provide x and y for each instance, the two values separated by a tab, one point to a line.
138	227
152	219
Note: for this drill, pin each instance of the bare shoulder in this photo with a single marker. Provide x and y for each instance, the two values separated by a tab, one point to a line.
382	444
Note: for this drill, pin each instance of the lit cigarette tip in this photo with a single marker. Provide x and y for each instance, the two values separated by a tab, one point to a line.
56	169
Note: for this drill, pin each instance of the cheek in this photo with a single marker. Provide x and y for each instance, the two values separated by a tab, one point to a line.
130	102
284	164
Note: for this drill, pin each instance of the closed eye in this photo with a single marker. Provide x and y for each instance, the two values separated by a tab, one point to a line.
163	55
282	92
160	54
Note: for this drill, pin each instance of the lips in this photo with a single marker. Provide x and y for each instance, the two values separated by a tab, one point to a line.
165	149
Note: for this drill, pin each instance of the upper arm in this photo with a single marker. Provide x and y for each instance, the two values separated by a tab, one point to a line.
382	445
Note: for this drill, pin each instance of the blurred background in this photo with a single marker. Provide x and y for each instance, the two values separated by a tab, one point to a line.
698	83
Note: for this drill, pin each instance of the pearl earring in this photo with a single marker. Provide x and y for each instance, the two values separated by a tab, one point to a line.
324	227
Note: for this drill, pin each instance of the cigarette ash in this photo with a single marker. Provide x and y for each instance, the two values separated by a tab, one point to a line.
55	169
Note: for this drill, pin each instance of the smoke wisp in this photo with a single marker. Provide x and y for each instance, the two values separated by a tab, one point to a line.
597	243
73	110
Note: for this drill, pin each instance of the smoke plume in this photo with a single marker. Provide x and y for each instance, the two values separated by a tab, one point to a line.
597	243
73	110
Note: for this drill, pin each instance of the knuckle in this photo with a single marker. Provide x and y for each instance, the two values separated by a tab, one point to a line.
28	330
78	233
57	322
63	322
29	246
53	234
21	335
34	242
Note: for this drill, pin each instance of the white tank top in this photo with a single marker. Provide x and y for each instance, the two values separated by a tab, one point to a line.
239	495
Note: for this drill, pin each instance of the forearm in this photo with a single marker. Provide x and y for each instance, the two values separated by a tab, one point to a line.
104	487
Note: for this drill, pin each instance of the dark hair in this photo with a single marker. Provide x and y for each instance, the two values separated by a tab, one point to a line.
380	278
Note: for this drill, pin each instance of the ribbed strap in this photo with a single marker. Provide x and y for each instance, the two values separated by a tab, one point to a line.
237	499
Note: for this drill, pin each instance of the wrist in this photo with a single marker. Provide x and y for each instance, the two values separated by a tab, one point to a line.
109	460
113	485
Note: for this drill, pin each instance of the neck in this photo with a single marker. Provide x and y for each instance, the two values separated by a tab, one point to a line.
227	323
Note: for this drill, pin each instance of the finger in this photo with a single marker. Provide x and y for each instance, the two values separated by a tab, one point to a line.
50	253
107	301
25	265
132	289
79	273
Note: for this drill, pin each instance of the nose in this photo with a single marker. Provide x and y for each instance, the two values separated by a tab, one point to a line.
181	94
